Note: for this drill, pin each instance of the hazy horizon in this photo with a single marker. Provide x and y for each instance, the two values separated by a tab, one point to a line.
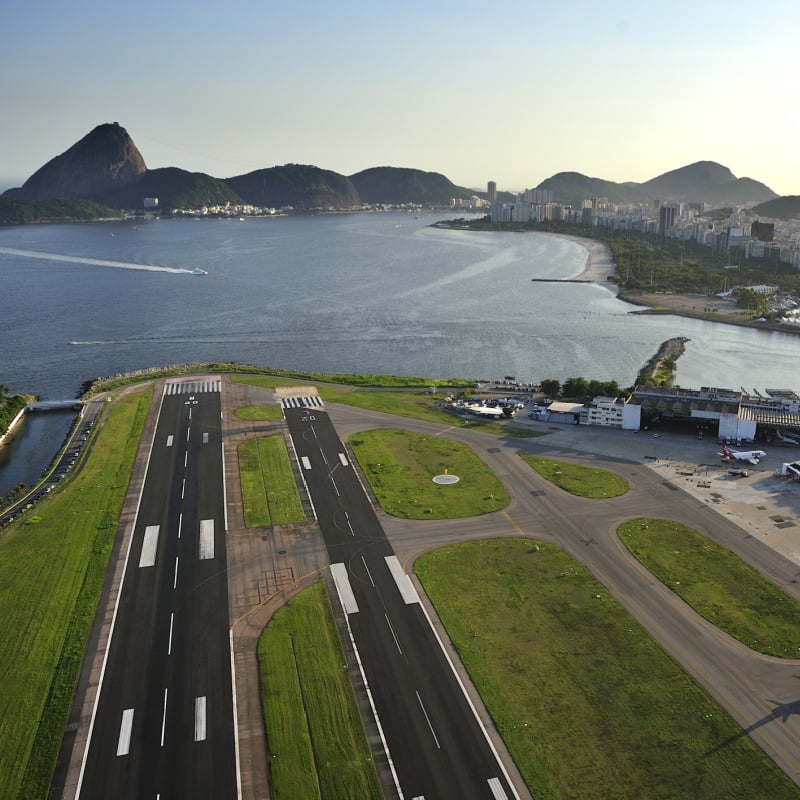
619	91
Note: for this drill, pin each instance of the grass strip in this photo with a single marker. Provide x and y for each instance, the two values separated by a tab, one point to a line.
52	568
400	467
316	740
269	490
586	701
717	584
578	479
271	413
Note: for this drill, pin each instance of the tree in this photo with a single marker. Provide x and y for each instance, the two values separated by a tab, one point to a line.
551	387
575	387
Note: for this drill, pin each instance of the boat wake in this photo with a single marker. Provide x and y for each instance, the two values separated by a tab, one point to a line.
98	262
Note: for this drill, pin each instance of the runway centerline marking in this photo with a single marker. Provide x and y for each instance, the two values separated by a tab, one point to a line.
171	622
394	635
125	730
164	719
149	546
175	581
428	720
369	574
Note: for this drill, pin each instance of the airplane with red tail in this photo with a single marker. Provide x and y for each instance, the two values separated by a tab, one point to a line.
752	456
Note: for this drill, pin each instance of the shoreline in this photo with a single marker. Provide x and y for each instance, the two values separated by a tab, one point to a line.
599	266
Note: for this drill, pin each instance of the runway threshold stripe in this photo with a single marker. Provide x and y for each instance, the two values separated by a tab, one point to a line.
125	730
149	546
343	460
200	719
344	589
206	539
404	585
306	462
497	789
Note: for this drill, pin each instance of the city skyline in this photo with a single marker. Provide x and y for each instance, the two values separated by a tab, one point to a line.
514	94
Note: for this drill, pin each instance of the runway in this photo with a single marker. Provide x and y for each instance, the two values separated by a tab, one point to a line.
164	725
435	743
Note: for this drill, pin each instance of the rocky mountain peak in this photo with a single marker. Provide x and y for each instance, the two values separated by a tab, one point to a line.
105	160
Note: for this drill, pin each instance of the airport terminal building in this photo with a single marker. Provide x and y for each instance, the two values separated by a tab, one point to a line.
728	415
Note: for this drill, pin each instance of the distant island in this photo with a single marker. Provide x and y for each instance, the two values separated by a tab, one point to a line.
106	168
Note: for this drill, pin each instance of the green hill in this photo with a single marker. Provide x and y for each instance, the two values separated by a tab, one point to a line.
397	185
301	186
787	207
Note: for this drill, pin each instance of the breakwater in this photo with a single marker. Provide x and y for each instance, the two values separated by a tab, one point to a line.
660	369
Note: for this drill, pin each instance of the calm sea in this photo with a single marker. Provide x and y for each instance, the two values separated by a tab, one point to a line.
379	292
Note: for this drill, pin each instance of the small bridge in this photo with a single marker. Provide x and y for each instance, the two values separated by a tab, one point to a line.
54	405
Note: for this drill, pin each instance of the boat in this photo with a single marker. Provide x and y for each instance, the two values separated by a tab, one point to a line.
198	271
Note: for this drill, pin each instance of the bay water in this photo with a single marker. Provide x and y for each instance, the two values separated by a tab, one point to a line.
367	293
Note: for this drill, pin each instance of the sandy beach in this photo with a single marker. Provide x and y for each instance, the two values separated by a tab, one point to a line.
600	265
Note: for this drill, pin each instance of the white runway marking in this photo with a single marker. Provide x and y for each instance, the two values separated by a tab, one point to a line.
149	546
306	462
125	730
200	719
170	439
428	720
169	644
404	585
164	719
344	589
302	402
97	262
343	460
206	539
497	789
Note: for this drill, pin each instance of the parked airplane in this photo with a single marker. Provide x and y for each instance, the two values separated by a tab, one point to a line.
785	438
753	456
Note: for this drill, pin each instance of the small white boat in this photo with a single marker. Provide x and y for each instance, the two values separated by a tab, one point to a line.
198	271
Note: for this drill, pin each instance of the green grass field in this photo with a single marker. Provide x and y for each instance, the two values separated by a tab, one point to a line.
271	413
578	479
269	490
400	467
717	584
588	704
52	567
317	747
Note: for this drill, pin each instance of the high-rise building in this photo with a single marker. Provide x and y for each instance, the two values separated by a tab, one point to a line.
764	231
491	191
666	218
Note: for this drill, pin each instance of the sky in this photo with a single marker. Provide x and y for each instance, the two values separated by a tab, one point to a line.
512	92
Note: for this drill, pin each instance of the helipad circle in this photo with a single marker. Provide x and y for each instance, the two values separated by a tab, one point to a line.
444	479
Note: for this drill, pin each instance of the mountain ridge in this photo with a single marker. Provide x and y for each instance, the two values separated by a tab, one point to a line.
105	166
